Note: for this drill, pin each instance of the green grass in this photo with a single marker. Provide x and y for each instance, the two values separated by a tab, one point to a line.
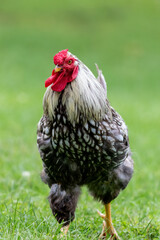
123	37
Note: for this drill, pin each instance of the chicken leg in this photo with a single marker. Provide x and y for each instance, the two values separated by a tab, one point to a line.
107	224
64	230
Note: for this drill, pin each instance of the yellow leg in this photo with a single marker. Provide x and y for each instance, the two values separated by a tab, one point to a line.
107	224
64	230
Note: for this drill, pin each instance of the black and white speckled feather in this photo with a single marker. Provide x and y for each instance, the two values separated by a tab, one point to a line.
73	154
82	140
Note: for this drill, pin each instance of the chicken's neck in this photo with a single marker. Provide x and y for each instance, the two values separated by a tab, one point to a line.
85	96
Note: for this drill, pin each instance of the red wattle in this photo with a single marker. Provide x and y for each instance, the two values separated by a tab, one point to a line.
59	80
49	81
52	78
58	86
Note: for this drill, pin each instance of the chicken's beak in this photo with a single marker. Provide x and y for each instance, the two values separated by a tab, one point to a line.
57	68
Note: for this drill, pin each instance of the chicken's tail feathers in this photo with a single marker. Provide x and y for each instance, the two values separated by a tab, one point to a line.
101	79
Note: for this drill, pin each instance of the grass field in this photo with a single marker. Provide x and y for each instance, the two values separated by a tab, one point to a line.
123	38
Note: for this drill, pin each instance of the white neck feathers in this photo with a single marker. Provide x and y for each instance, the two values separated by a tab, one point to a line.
85	97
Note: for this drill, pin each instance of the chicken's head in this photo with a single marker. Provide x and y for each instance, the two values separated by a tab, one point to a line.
66	70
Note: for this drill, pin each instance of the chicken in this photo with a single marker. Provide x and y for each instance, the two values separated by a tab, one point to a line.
82	140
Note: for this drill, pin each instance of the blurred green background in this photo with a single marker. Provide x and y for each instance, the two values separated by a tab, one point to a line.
123	38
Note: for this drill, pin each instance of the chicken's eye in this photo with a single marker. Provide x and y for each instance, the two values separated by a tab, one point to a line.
69	61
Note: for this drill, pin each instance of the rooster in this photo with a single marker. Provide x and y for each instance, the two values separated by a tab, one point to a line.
82	140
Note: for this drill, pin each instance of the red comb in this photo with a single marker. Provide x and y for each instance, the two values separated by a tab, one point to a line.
59	57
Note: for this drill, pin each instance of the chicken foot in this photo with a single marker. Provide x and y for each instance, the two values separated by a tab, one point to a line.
64	230
107	224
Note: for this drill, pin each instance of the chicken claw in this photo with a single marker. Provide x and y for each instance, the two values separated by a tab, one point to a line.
107	225
64	230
